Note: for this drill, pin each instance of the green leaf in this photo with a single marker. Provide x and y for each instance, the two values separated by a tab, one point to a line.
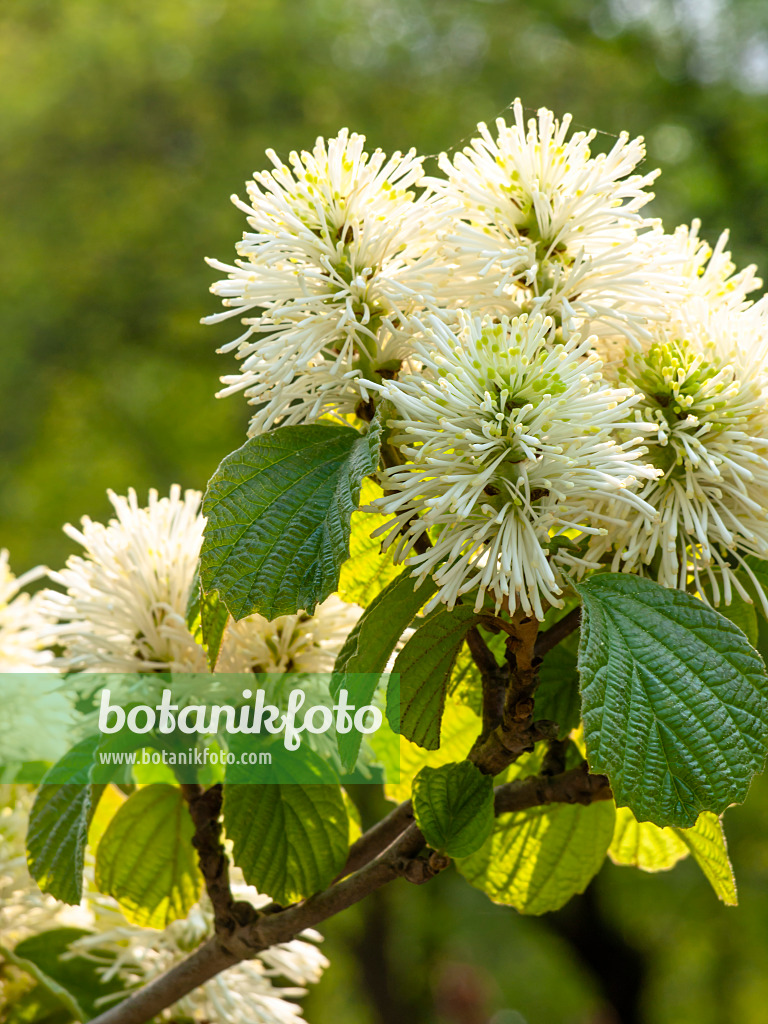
36	1006
375	634
466	683
369	646
279	513
757	568
460	728
557	696
146	859
77	975
453	807
674	700
58	824
368	570
644	845
48	985
424	666
207	618
743	615
740	612
706	841
536	860
289	839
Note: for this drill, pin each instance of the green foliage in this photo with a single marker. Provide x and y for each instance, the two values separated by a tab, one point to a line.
289	839
77	975
644	845
706	841
58	824
536	860
207	618
146	859
460	728
279	513
425	665
368	570
371	642
453	807
743	615
48	1000
375	634
557	695
675	700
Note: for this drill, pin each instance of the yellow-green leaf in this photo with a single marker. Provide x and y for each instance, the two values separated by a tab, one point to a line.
706	841
644	845
146	859
368	569
536	860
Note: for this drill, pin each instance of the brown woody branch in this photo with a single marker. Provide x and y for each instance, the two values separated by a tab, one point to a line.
561	629
517	732
229	915
402	859
495	680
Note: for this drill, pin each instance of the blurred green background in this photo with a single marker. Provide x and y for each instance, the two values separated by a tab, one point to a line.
125	126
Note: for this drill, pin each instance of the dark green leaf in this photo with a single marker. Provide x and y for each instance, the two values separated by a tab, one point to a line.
453	806
675	700
58	824
557	696
78	975
368	647
424	666
146	859
279	513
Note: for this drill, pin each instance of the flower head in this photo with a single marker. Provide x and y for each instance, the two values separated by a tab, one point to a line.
36	715
548	228
290	643
340	245
710	274
703	382
125	600
513	457
25	629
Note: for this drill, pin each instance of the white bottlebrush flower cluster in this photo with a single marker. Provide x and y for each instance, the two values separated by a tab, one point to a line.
123	606
520	455
703	382
511	450
340	249
36	713
25	629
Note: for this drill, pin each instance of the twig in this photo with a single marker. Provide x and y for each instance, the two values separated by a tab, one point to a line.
575	786
561	629
378	838
229	915
517	733
495	679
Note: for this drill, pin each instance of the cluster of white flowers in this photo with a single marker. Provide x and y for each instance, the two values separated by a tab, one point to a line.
572	386
123	606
